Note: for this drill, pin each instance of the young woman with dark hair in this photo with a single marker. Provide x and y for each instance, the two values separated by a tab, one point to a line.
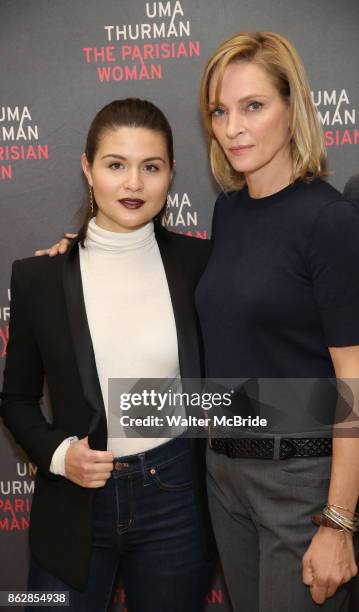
119	304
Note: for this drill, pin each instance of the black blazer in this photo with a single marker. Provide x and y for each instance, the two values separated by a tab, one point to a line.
50	337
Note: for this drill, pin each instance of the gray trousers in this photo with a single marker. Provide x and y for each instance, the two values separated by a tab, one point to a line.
261	512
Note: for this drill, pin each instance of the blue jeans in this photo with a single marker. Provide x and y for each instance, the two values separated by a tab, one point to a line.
145	528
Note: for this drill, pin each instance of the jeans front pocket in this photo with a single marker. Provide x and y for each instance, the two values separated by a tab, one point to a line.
173	475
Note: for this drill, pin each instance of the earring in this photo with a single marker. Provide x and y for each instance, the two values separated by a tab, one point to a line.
91	200
167	213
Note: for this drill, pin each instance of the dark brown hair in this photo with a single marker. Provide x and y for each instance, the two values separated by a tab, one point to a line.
128	112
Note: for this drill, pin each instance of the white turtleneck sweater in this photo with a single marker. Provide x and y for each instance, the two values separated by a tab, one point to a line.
130	317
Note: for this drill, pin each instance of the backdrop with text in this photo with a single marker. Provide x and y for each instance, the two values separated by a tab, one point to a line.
61	62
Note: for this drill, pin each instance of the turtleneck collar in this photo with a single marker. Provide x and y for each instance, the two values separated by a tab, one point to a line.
119	242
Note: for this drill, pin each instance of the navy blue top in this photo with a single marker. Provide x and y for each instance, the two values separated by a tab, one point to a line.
282	283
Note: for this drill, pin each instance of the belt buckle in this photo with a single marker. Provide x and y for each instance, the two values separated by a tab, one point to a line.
287	449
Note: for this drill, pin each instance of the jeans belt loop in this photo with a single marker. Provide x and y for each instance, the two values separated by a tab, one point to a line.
144	469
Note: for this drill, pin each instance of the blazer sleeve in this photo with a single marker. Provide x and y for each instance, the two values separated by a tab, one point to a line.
23	385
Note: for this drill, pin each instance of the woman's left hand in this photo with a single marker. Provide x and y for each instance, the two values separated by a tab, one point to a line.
328	563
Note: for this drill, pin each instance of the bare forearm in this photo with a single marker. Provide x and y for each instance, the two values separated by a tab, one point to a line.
344	483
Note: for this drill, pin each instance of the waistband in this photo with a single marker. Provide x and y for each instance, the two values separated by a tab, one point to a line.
160	454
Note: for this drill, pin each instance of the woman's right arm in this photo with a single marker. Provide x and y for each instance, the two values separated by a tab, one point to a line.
23	385
20	409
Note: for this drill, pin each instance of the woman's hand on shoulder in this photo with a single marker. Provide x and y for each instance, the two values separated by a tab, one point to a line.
86	467
59	248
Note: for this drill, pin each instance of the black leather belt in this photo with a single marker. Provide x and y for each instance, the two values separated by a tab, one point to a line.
263	448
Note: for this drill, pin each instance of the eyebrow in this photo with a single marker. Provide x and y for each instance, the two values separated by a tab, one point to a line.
148	159
251	96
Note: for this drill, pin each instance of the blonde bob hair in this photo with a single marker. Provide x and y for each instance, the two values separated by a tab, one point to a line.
277	56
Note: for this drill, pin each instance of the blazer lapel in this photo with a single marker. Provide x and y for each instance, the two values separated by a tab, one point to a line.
183	305
184	314
82	343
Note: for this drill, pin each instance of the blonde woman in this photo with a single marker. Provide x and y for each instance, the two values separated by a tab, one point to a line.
279	299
